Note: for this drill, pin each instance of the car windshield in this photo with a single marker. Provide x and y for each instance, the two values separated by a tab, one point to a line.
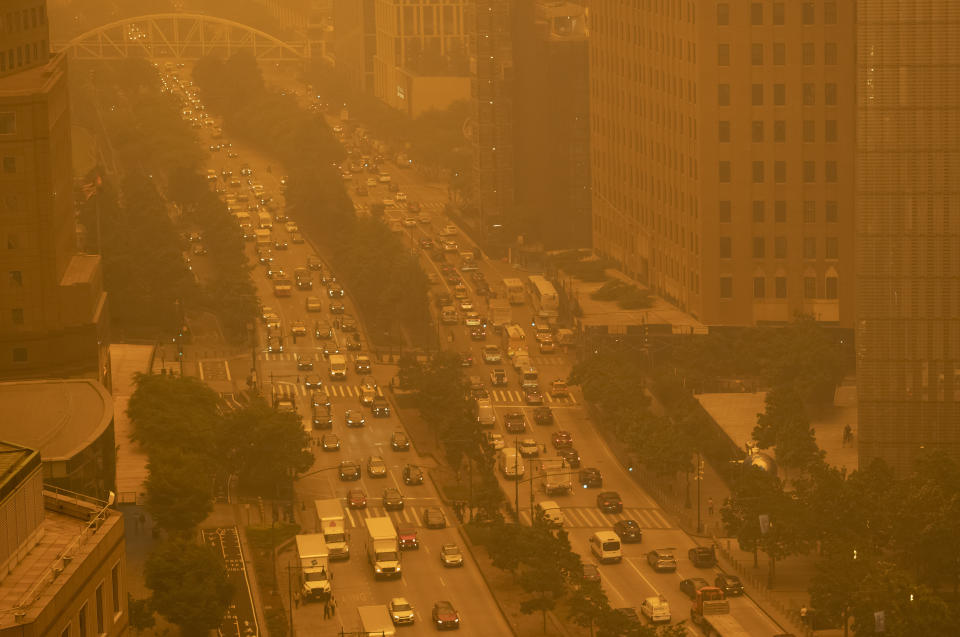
401	607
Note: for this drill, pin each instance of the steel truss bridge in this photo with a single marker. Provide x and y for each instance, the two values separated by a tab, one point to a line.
181	36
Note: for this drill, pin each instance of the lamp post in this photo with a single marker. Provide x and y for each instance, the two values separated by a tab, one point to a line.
699	482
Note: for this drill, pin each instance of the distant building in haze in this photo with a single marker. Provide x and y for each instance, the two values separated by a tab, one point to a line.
53	309
722	144
355	42
908	230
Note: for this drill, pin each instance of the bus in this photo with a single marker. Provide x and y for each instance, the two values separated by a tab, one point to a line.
515	292
546	301
513	340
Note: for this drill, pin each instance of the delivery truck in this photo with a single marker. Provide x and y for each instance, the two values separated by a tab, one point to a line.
383	553
330	524
314	557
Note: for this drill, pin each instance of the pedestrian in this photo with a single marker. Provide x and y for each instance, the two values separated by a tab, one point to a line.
333	606
141	521
709	506
296	599
326	609
847	434
803	615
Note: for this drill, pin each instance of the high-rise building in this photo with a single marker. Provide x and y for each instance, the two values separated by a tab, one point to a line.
354	42
421	61
552	123
722	143
62	558
490	29
908	229
52	303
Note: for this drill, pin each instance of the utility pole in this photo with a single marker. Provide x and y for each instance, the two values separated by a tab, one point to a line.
699	482
516	465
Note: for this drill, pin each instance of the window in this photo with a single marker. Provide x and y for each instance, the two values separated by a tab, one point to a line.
809	287
99	602
723	94
807	54
16	315
832	248
723	55
756	131
759	247
115	588
809	95
758	287
756	14
809	211
757	172
830	212
726	287
723	130
759	211
780	171
82	621
832	285
830	94
16	278
756	54
726	247
780	211
809	247
20	356
830	171
756	94
9	165
780	247
779	130
723	211
809	131
830	53
807	15
724	171
780	287
779	94
8	122
13	242
723	14
829	12
66	632
779	53
779	13
830	130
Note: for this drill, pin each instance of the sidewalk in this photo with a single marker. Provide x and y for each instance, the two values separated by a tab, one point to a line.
125	361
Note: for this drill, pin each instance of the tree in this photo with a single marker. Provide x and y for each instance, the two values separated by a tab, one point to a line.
179	490
784	423
909	610
190	586
587	604
172	412
141	613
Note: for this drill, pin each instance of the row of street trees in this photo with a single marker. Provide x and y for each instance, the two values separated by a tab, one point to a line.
385	278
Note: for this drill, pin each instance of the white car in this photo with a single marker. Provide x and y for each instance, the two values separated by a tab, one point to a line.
400	196
292	226
401	612
371	182
449	230
529	448
495	440
656	609
409	222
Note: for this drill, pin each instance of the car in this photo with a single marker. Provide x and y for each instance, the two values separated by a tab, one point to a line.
466	359
314	304
471	319
433	518
662	560
265	256
199	250
628	531
353	418
376	467
298	328
478	333
702	557
529	448
656	610
328	349
515	422
330	442
466	305
691	585
498	377
354	345
292	227
312	381
275	271
367	393
547	347
412	475
469	266
304	365
401	612
349	470
380	407
445	616
450	555
590	478
280	244
532	396
314	263
407	537
558	388
730	584
450	246
335	291
494	440
356	499
448	230
543	416
561	439
610	502
491	355
362	364
399	441
590	572
570	456
392	499
337	307
408	222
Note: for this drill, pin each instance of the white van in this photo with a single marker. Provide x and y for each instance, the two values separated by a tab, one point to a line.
486	417
551	512
511	464
266	221
605	546
338	367
529	378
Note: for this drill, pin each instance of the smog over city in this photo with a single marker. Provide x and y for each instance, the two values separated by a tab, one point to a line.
580	318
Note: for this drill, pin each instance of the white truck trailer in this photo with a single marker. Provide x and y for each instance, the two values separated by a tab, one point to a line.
382	549
314	566
330	524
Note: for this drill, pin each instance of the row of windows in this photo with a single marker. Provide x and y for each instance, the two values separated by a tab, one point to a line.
778	13
758	130
13	21
83	618
15	58
831	287
758	172
759	247
759	211
808	53
758	92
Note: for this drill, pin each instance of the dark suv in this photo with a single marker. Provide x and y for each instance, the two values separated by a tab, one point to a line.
702	557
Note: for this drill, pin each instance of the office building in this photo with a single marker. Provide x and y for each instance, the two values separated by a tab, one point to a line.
908	230
52	303
62	556
421	61
722	144
354	42
552	123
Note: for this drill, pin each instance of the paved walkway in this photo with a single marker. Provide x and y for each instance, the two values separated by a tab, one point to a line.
127	360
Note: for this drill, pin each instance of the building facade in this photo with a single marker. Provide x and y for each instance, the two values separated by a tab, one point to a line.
52	302
354	42
908	230
552	123
722	138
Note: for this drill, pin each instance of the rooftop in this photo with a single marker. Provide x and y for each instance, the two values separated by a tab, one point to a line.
33	80
81	269
57	417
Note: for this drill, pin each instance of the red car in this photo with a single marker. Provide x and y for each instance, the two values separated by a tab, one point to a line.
357	499
562	439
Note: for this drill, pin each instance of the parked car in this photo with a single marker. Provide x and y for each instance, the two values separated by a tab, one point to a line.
730	584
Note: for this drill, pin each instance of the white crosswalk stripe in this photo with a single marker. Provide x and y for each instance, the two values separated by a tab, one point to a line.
407	515
515	396
588	517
